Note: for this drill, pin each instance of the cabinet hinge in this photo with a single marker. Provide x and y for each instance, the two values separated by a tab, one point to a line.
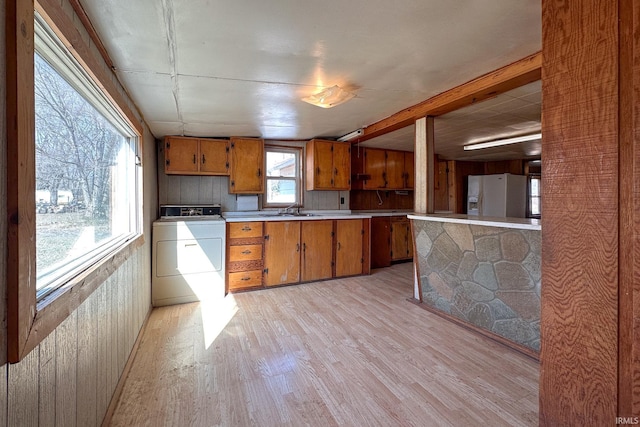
362	232
233	183
361	260
333	234
266	237
332	263
168	162
227	165
265	271
227	148
233	144
168	145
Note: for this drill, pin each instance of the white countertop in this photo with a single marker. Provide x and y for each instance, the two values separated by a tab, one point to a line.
251	216
384	212
488	221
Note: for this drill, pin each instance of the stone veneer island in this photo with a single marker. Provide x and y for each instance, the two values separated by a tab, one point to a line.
483	271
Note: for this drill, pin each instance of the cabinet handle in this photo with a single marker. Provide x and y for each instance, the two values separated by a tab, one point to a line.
297	247
203	159
318	171
247	252
244	279
304	247
194	159
338	245
259	172
246	228
335	171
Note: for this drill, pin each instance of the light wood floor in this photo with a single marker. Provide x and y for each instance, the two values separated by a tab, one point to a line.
348	352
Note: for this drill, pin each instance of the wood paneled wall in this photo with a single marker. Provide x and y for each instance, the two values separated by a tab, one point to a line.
69	379
590	202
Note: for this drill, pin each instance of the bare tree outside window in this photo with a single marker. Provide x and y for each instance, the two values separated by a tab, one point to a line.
80	162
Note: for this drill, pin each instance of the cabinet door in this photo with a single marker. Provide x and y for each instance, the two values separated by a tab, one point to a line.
374	165
181	155
214	157
282	252
317	249
341	166
395	169
320	168
409	170
348	247
380	242
399	239
245	166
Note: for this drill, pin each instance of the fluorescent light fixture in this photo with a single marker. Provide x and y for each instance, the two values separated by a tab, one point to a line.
500	142
352	135
329	97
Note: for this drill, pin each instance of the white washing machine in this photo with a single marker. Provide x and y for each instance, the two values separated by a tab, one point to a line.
188	260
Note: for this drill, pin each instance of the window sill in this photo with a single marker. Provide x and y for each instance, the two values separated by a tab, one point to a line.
53	309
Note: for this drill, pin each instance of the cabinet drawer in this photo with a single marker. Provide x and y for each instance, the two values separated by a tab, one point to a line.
245	252
245	279
239	230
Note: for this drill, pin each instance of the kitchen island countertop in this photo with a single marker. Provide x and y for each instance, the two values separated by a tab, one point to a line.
488	221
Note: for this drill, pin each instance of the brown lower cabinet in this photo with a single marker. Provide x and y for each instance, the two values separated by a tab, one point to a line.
317	250
390	240
349	254
281	252
273	253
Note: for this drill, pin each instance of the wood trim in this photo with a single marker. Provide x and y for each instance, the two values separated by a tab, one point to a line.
431	166
20	110
366	246
420	156
63	26
52	311
452	186
629	220
86	22
519	73
416	265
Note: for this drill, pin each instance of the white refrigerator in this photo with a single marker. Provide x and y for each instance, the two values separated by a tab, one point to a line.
499	195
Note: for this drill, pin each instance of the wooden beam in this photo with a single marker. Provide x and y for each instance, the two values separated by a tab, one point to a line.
520	73
86	22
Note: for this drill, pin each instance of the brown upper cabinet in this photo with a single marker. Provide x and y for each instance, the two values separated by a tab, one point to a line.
328	165
246	163
196	156
379	169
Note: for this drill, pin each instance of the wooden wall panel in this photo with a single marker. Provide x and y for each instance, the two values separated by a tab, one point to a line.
87	366
23	392
578	378
47	378
66	370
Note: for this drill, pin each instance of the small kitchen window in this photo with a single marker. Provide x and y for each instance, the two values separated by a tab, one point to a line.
283	177
534	196
86	176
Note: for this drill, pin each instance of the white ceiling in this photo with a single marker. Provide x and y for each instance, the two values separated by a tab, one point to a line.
223	68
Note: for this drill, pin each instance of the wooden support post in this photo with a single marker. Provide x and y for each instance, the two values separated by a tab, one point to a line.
425	166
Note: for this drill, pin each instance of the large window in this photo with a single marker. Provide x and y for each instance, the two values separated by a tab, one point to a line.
86	177
283	177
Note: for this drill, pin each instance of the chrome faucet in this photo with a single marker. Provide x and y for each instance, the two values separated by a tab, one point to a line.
289	208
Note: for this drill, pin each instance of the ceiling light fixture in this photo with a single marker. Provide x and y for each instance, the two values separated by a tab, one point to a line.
352	135
329	97
500	142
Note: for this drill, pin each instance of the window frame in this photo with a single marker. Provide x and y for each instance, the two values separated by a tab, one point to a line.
29	321
299	179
